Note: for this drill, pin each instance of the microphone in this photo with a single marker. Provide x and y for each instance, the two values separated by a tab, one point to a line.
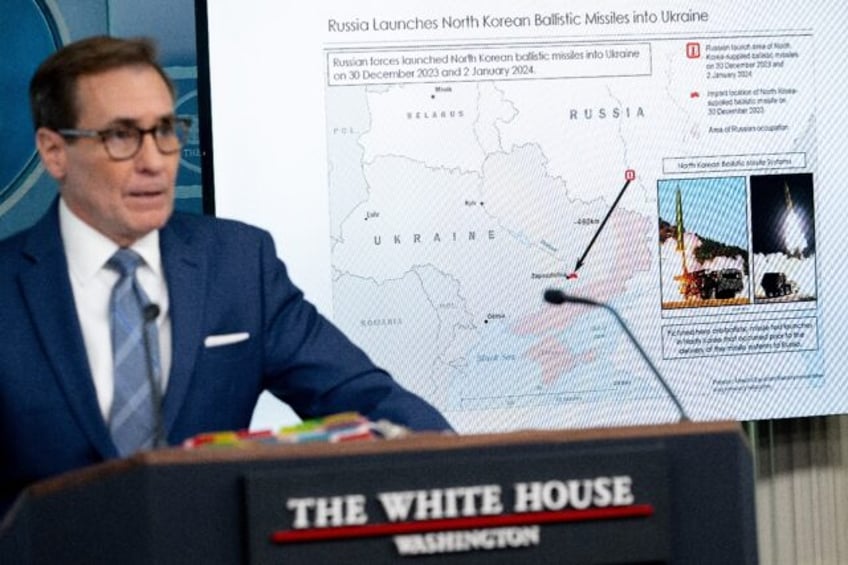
149	313
557	297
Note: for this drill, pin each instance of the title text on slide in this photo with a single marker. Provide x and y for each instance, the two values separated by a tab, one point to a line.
491	21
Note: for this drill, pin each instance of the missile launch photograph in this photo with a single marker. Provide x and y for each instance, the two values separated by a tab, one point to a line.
703	238
783	238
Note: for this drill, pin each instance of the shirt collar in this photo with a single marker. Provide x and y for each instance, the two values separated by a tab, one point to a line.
88	250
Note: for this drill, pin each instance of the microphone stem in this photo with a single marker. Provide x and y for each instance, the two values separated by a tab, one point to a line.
683	416
558	297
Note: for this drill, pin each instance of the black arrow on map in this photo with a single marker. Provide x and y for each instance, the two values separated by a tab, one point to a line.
601	227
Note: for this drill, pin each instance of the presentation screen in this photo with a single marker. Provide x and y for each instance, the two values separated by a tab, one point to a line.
430	169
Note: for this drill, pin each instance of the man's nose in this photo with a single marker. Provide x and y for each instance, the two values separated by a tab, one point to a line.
149	155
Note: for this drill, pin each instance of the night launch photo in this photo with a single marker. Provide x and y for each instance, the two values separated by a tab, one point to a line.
783	238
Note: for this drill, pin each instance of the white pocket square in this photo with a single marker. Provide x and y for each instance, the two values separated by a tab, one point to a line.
224	339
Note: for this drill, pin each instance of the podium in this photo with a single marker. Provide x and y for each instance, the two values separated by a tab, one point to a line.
679	493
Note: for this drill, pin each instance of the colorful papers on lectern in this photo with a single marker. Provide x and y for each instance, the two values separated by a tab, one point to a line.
347	426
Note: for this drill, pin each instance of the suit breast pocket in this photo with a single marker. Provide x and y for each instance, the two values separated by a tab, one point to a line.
226	347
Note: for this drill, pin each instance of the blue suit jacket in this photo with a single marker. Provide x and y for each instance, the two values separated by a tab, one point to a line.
223	277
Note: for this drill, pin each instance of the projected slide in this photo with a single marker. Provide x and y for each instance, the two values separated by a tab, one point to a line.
676	164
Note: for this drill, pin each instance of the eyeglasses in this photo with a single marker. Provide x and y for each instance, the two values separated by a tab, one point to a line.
124	141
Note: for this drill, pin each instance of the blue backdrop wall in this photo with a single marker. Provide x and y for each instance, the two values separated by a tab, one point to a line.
32	29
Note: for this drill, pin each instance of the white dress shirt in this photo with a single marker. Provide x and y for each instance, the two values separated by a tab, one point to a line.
88	251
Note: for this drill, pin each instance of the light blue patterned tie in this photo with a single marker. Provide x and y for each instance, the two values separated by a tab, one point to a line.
132	420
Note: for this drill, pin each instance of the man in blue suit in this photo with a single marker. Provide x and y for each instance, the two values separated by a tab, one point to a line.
227	323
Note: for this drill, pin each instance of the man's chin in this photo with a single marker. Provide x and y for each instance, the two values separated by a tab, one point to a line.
143	224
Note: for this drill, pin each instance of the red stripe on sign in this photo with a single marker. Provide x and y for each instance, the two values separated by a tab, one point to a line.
476	522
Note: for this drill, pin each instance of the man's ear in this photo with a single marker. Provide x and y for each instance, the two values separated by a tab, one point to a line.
52	149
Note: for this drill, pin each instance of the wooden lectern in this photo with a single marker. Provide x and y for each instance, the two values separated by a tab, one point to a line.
679	493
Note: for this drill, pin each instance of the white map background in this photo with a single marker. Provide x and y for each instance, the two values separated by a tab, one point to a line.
461	321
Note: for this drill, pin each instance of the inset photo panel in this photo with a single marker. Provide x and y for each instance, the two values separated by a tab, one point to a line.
703	238
783	238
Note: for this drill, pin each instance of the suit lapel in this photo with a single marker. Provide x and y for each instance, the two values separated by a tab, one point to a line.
186	271
46	288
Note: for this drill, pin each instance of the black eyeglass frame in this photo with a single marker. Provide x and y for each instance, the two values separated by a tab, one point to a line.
180	128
